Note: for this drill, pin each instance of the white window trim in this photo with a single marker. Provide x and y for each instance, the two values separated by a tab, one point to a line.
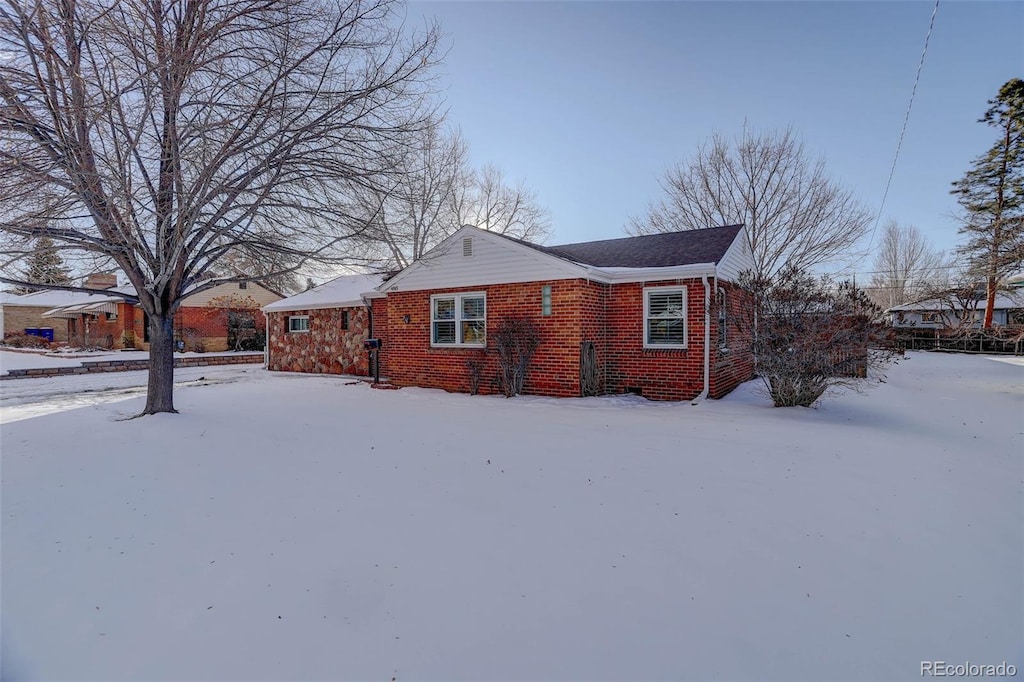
458	319
686	321
298	317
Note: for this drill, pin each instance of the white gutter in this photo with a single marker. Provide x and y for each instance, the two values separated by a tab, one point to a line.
609	275
707	341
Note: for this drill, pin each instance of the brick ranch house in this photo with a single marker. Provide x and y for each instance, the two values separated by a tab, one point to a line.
113	320
322	330
645	315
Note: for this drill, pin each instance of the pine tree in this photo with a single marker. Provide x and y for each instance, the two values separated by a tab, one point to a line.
991	195
45	266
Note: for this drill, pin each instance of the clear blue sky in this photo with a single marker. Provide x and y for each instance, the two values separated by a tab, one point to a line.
589	102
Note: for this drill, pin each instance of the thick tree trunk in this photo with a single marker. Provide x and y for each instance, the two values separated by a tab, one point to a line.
160	395
990	302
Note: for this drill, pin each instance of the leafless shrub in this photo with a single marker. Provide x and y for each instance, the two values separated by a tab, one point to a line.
812	334
516	340
475	368
25	341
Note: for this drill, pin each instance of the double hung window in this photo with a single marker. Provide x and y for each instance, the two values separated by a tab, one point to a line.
458	320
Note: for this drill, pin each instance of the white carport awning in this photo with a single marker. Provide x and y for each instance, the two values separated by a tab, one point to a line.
73	311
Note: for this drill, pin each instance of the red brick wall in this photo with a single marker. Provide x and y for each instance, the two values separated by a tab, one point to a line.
327	348
734	364
658	374
609	316
593	326
208	326
379	324
410	361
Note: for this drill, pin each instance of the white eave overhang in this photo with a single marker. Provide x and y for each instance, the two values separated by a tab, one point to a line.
624	275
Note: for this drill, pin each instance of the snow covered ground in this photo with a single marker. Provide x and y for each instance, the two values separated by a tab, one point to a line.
307	527
27	398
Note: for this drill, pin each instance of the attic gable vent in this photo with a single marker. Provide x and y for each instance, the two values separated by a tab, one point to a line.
467	246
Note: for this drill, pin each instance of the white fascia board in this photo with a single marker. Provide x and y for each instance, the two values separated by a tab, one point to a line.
739	250
624	275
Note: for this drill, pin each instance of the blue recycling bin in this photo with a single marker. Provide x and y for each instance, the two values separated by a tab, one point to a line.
46	333
31	331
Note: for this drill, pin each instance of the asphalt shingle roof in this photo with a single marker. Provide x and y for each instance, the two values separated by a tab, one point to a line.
650	251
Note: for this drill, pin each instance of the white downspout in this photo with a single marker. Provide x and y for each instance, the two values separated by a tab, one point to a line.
707	340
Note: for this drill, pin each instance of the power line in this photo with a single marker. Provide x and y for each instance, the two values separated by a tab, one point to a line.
903	130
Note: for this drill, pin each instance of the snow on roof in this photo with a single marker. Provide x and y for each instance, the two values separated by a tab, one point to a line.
56	299
1005	300
343	292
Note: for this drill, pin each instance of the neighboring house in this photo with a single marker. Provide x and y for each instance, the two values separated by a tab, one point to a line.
204	321
210	317
19	313
652	315
940	314
322	330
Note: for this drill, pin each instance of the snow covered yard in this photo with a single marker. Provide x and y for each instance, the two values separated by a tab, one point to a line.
293	527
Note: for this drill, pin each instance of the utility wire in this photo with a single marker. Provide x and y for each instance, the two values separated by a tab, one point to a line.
906	119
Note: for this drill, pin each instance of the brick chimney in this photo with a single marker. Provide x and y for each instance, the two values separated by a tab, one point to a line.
99	280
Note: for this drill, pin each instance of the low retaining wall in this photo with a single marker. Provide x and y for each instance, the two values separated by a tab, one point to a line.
100	366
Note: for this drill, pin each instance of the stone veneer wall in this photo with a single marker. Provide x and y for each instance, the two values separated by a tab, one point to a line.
327	348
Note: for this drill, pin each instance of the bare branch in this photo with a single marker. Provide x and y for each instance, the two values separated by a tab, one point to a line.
794	214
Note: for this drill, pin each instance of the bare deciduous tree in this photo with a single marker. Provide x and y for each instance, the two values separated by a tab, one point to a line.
410	208
906	267
794	214
429	192
486	200
164	135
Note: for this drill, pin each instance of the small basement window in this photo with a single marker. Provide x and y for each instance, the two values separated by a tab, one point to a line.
298	323
665	317
344	319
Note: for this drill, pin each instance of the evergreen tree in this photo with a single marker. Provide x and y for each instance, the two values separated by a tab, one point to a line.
45	266
991	195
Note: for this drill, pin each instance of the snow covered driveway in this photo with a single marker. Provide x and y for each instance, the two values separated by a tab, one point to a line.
297	527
